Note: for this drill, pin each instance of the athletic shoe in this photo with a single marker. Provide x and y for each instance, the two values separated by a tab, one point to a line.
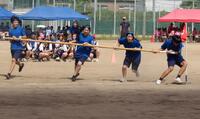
24	60
74	77
95	60
158	82
122	80
178	80
8	76
21	67
58	59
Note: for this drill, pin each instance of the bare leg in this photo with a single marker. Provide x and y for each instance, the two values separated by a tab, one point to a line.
71	55
12	66
91	57
183	68
40	56
98	53
77	68
31	54
124	73
27	54
64	55
166	72
48	56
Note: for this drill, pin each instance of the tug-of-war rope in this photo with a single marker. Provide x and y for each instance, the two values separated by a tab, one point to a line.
89	45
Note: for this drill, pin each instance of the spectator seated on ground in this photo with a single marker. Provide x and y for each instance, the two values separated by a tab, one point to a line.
195	35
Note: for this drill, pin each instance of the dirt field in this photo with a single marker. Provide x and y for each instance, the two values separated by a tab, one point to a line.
44	91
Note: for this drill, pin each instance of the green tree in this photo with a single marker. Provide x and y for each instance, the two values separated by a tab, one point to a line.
189	4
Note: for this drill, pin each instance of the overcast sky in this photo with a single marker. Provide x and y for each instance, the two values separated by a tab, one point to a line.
167	5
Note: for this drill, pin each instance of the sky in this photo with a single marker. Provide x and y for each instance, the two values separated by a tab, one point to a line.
167	5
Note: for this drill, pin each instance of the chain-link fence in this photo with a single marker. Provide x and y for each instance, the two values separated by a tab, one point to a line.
109	13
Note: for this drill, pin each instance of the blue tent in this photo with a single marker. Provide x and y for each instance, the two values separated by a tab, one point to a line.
5	14
53	13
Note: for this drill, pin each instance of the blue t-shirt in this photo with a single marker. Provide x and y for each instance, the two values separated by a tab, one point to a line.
17	32
134	44
85	51
168	44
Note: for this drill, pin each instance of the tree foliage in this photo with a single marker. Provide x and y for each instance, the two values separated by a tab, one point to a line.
189	4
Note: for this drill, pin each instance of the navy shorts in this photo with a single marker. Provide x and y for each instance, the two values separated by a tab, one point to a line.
135	62
17	54
81	58
173	62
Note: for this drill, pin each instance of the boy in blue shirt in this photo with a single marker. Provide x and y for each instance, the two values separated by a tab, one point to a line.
132	57
82	53
17	47
173	44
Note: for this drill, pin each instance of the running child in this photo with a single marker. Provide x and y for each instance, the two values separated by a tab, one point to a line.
174	44
132	57
82	53
17	47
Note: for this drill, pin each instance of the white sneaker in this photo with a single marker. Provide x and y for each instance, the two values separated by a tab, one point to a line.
158	82
178	80
58	59
95	60
122	80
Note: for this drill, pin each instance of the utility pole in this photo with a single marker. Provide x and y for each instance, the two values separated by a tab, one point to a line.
154	16
95	14
99	12
193	8
158	16
11	5
115	10
54	2
56	22
74	5
84	7
144	21
174	4
37	3
134	22
33	23
129	12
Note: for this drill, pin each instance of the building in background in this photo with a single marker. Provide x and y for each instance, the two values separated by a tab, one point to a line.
122	4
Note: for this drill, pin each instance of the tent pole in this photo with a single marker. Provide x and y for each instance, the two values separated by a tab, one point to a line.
33	25
186	54
114	21
90	24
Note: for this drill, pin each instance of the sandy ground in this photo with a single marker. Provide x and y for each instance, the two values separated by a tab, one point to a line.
44	91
